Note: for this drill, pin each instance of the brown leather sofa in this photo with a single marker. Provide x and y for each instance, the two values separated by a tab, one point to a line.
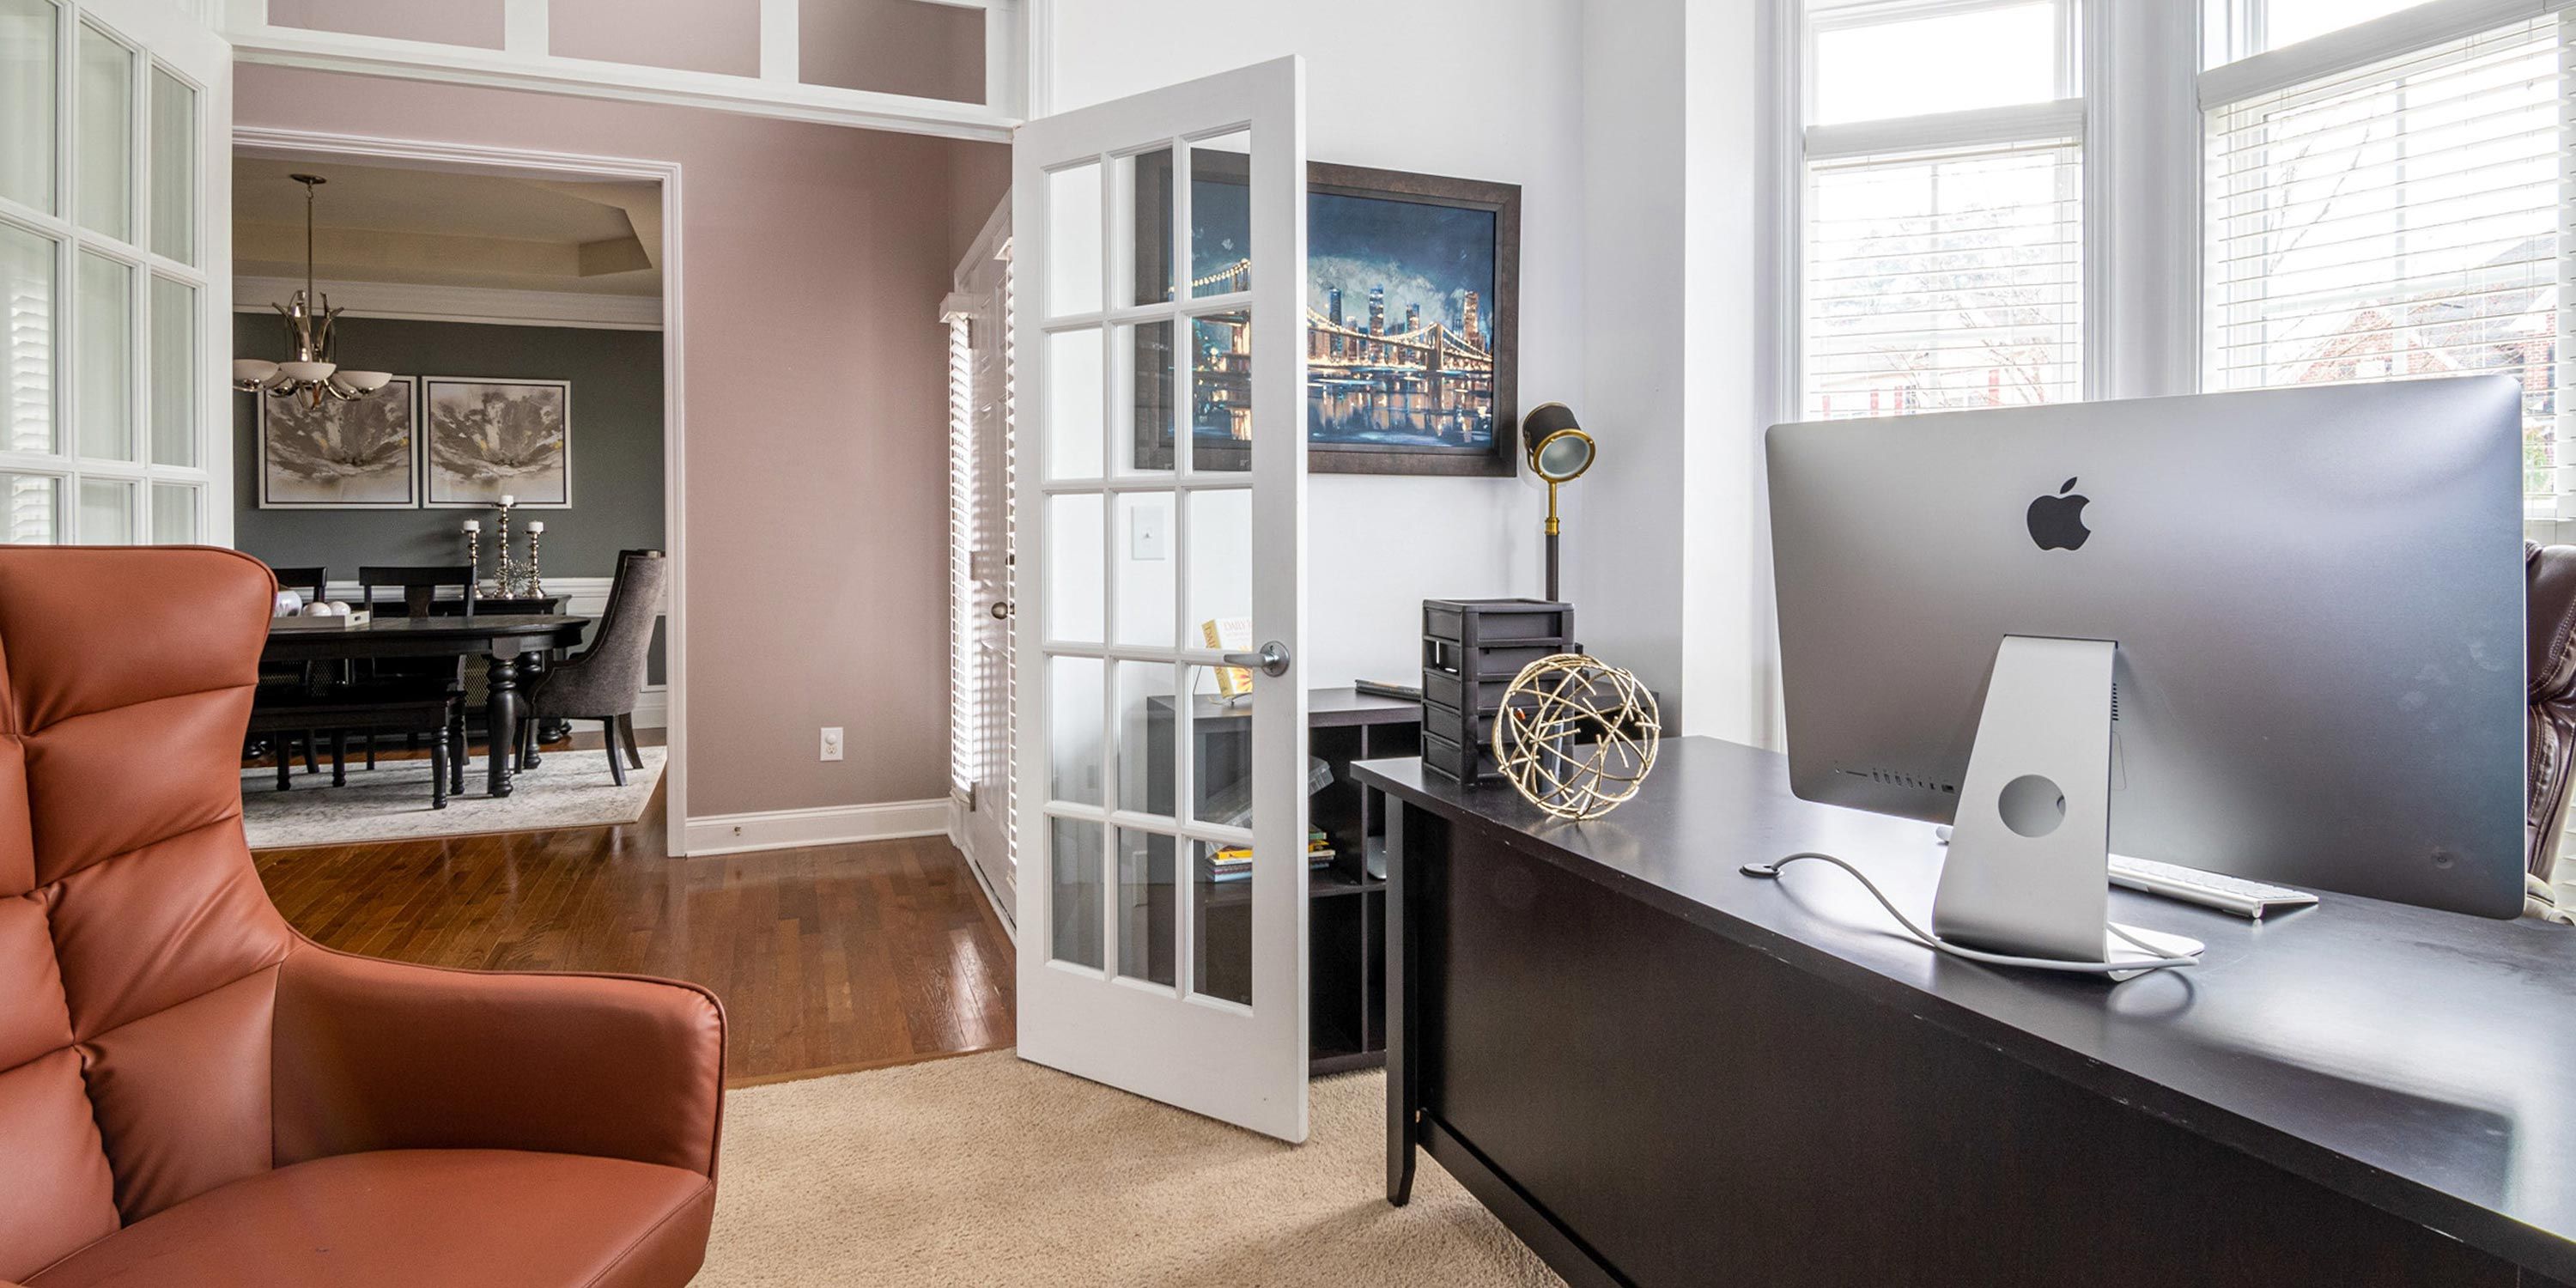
193	1093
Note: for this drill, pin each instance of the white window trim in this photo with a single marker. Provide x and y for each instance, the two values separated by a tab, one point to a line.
2362	44
525	62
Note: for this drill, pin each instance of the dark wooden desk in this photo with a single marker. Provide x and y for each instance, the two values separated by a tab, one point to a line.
501	638
1660	1071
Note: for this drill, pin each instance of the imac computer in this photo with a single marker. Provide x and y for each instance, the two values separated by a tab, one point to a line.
2272	634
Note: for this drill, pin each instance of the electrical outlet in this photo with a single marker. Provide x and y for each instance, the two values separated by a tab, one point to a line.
831	742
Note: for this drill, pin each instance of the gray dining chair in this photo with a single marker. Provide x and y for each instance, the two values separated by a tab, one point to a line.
604	681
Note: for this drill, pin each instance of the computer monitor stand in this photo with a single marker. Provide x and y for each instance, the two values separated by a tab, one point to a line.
2029	867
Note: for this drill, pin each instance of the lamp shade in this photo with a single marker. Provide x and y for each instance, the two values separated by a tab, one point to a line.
366	382
309	372
253	371
1558	449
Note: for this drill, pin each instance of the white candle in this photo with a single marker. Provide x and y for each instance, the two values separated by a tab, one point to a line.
473	525
536	527
507	499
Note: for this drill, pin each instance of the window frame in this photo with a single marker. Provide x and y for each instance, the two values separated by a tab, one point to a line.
1800	145
2150	76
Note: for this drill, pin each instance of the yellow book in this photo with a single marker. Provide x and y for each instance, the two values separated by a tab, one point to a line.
1229	635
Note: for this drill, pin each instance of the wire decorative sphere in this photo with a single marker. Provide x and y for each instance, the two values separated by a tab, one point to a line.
1576	736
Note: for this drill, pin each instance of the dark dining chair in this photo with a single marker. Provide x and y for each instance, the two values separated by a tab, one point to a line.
416	587
604	681
314	584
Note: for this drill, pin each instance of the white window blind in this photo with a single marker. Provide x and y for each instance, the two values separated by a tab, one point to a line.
1944	279
2404	219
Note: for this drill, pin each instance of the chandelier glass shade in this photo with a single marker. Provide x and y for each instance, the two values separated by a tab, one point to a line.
315	372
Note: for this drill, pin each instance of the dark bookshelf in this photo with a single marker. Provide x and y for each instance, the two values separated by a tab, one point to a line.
1346	916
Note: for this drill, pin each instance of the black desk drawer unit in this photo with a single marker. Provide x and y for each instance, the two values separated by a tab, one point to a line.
1471	650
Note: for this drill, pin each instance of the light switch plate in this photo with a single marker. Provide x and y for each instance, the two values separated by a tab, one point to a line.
1149	534
831	742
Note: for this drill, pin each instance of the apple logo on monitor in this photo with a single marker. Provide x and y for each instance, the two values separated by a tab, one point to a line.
2057	522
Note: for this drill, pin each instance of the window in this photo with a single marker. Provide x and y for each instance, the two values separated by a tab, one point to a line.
2399	217
2285	191
104	419
1943	206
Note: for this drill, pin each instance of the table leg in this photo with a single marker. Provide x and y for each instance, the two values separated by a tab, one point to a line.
1403	1028
501	716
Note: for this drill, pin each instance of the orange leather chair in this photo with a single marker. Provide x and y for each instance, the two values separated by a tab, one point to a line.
193	1093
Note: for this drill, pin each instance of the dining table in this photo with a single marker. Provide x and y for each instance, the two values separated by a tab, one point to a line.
502	639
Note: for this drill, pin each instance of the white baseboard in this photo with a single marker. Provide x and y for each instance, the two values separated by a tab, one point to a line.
653	707
822	825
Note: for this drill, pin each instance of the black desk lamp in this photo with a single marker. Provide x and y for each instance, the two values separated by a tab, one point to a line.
1559	452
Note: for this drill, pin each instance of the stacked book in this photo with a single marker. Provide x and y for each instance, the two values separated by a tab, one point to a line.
1234	862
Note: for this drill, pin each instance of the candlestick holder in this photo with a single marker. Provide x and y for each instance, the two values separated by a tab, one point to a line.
536	584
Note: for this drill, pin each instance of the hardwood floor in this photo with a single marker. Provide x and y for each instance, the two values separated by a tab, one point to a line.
828	959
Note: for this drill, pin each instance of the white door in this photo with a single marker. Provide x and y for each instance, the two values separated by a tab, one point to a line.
115	273
1159	305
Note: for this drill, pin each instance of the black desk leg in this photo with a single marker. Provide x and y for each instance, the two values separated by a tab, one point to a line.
1403	1088
501	716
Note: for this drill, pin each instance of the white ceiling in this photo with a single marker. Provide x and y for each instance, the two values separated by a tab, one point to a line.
431	227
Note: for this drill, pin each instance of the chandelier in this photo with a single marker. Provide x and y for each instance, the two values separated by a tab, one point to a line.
309	317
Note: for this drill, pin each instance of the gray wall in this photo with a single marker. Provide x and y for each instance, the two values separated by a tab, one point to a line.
616	447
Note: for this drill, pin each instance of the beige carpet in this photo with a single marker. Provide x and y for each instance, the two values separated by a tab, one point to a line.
987	1170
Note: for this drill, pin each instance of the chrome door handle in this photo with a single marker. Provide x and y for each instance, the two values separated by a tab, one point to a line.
1271	660
1001	609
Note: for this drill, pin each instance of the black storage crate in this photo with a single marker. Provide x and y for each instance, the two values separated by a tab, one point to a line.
1471	651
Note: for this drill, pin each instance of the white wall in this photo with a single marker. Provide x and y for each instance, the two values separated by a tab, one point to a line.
1480	89
1663	554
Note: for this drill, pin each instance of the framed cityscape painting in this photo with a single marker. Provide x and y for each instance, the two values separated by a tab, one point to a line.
1412	312
493	438
357	455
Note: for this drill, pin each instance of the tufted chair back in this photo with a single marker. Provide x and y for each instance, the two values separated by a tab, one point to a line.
141	954
2550	607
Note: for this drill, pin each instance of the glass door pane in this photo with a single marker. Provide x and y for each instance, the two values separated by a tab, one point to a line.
33	514
104	126
28	29
174	514
103	356
26	340
106	512
174	168
174	373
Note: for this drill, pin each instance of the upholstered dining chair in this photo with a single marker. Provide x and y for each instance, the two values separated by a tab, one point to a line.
604	681
192	1093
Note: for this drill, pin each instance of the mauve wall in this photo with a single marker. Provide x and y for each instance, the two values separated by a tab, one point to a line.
815	372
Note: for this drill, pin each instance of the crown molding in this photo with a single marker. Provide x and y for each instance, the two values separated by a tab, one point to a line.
417	302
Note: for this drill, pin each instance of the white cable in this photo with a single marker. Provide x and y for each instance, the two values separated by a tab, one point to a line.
2155	959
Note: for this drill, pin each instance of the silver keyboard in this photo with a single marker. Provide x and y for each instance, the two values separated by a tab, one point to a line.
2250	899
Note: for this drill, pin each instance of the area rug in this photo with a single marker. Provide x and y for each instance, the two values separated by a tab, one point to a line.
391	801
988	1170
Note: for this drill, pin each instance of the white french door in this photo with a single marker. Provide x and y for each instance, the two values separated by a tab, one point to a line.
980	391
1159	313
115	273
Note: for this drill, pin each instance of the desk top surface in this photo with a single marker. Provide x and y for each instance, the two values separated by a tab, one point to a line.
2419	1061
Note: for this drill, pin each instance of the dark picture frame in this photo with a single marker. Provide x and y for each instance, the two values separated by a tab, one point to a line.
484	436
358	455
1372	406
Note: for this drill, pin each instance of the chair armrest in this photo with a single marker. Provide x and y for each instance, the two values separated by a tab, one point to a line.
373	1055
